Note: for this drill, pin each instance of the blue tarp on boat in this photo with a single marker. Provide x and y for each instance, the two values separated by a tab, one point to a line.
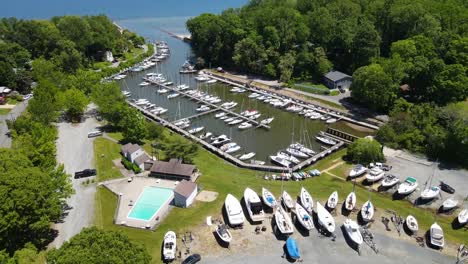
291	246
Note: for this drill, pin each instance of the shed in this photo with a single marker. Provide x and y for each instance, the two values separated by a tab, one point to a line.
337	80
140	160
131	151
173	170
184	193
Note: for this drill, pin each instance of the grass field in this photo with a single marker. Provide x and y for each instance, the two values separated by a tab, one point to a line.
311	88
104	152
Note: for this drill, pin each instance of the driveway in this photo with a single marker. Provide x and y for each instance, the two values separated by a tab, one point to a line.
5	140
75	151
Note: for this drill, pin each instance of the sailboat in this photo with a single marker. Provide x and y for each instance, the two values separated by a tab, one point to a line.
367	211
412	224
350	202
287	200
352	229
268	198
283	221
431	192
306	200
304	218
325	219
463	217
449	204
332	200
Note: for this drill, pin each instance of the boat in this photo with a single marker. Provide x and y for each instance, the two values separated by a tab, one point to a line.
367	211
267	121
211	81
430	193
306	200
254	205
229	146
247	156
287	200
286	156
229	119
408	186
254	95
293	250
206	135
196	129
325	219
437	235
126	93
449	204
297	153
203	108
169	246
350	201
357	170
302	149
144	84
172	95
463	217
255	116
283	221
304	218
325	140
162	91
268	198
141	102
223	233
352	230
412	224
181	122
375	174
332	200
235	121
233	149
281	161
446	188
220	140
389	181
218	115
245	125
168	83
234	210
331	120
182	87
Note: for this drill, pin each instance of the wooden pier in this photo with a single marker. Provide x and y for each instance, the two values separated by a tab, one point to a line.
198	115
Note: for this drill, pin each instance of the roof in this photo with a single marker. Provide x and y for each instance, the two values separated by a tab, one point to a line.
174	167
185	188
141	159
336	76
130	148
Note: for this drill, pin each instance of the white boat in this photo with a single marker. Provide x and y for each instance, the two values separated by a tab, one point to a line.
463	217
206	135
255	116
233	149
172	95
220	140
449	204
235	121
182	87
141	101
306	200
223	233
162	91
302	149
169	246
367	211
283	221
331	120
332	200
229	119
352	230
430	193
268	198
304	217
144	84
227	146
280	161
412	224
437	235
254	205
390	180
287	200
126	93
211	81
247	156
325	140
350	201
375	174
203	108
267	121
286	156
357	170
325	219
168	83
297	153
254	95
245	125
181	122
234	210
218	115
408	186
196	129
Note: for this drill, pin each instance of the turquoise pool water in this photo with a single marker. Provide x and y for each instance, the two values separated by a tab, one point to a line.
149	202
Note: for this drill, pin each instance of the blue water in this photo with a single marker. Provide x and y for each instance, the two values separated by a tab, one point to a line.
149	202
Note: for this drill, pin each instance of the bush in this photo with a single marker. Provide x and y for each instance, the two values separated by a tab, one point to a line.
365	150
334	92
130	166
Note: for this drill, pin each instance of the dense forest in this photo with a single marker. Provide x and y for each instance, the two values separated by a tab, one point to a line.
386	45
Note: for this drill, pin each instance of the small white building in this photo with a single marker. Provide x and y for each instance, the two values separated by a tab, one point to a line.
108	56
184	193
135	154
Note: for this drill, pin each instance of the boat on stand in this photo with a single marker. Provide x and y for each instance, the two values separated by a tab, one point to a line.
306	200
254	205
303	217
325	219
352	230
332	200
234	210
223	233
288	202
283	221
268	198
169	246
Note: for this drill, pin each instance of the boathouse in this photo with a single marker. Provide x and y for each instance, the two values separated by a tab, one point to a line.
173	170
337	80
184	193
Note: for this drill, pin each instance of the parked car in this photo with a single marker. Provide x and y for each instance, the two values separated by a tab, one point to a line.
192	259
95	133
85	173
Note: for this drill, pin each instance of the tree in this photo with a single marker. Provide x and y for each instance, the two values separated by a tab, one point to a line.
45	105
286	66
93	245
180	149
132	124
366	44
365	150
109	99
155	131
7	75
75	102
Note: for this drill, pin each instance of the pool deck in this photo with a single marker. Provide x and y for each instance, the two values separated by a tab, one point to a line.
129	192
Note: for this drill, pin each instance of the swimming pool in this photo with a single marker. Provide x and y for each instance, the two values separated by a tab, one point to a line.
149	202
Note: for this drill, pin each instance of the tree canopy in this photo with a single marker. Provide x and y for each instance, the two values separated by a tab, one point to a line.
365	150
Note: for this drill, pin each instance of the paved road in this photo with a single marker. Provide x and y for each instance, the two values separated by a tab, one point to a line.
75	151
5	141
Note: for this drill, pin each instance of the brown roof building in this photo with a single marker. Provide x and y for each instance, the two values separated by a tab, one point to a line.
184	193
174	170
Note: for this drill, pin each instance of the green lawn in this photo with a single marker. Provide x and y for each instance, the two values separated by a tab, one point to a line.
104	152
4	111
342	170
324	102
312	88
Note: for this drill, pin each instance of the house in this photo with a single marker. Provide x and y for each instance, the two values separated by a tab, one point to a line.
173	170
184	193
135	154
337	80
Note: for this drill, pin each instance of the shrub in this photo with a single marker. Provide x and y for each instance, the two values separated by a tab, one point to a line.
365	150
130	166
334	92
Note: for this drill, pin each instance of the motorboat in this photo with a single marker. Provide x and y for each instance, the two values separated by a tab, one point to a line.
126	93
182	87
254	95
141	101
144	84
234	210
286	156
267	121
247	156
283	221
412	224
229	119
437	235
268	198
245	125
168	83
172	95
254	205
302	149
357	171
254	117
375	174
169	246
463	217
306	200
218	115
352	230
389	181
220	140
449	204
196	129
331	120
203	108
350	201
332	200
235	121
287	200
230	147
430	193
223	233
162	91
304	218
297	153
446	188
228	105
325	219
408	186
181	122
206	135
292	249
367	211
281	161
326	140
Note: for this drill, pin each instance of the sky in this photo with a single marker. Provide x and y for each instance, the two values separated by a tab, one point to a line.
115	9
